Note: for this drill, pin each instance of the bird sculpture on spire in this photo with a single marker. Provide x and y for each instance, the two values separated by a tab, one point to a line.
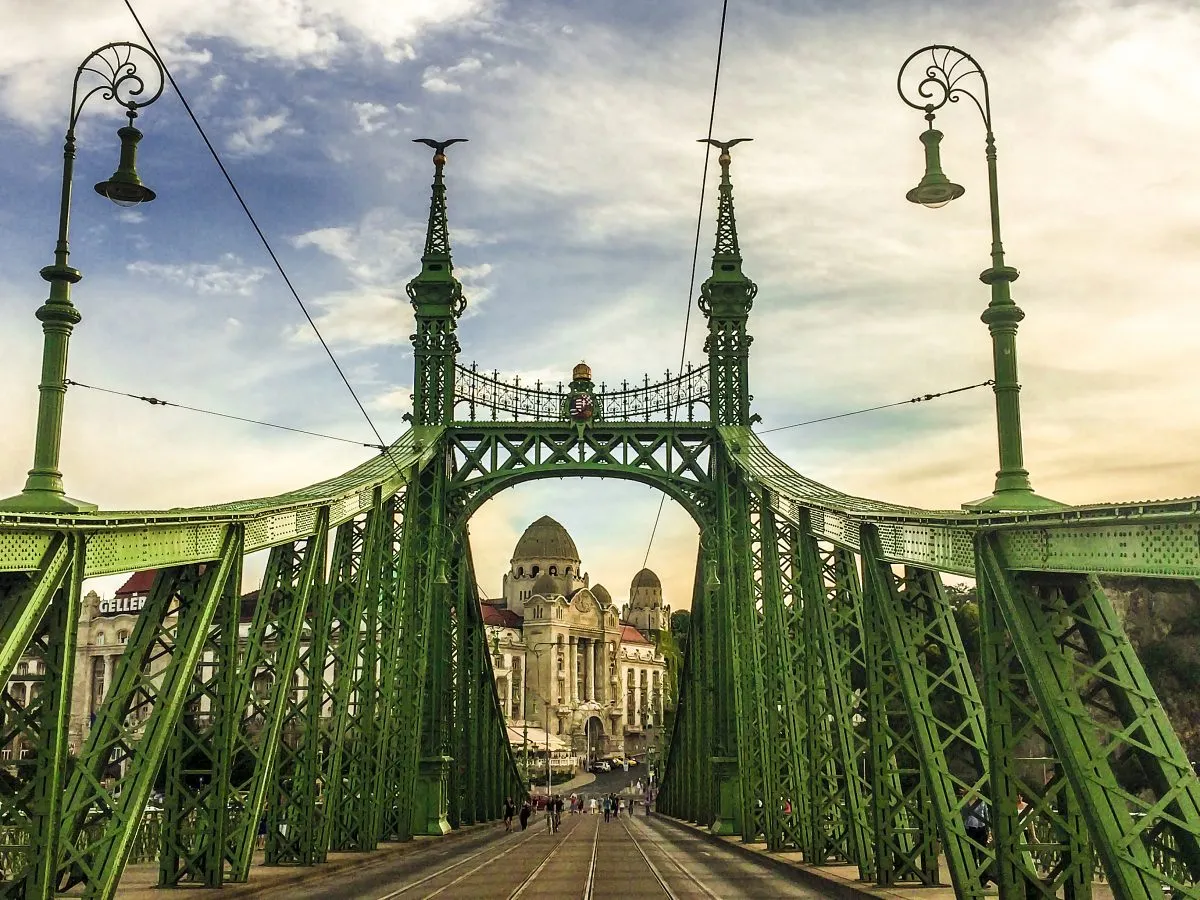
439	147
724	146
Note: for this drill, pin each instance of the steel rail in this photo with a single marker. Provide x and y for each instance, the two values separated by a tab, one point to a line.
403	889
662	882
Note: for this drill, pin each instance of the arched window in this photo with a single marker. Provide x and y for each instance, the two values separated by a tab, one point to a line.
554	570
567	571
100	638
18	693
520	571
22	668
535	571
98	674
122	637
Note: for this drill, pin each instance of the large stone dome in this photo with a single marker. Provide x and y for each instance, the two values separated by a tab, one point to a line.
546	539
645	579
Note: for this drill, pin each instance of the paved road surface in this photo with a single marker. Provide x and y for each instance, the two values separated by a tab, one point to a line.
636	858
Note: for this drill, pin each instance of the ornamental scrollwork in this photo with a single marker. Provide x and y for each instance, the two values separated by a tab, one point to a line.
117	65
934	76
489	397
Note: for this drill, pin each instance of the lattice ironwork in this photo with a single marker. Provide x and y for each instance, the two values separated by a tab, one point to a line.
483	396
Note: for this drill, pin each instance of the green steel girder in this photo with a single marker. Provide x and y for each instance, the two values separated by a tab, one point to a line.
294	572
1043	850
489	457
150	685
831	630
903	822
950	737
787	688
1100	710
349	743
296	786
761	798
199	758
31	785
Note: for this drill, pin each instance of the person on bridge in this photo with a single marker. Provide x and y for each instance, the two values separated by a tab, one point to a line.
509	809
592	806
525	811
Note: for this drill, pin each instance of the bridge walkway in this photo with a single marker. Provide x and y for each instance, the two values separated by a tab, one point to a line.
630	858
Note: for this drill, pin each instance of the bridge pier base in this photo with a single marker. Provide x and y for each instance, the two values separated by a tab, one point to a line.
728	819
431	797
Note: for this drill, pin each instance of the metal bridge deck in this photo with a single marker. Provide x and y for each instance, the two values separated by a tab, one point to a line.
635	858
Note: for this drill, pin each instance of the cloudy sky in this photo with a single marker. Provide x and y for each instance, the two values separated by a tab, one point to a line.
573	210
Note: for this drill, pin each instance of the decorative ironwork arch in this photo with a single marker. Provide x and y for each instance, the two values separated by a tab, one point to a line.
488	458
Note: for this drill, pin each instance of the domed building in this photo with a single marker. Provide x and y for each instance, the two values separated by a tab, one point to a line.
565	662
645	610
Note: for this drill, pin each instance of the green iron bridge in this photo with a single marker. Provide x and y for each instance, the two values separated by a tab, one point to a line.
826	701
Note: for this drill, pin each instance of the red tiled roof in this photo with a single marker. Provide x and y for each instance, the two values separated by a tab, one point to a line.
496	615
630	635
137	583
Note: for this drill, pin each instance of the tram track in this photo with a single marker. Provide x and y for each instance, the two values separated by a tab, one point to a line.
690	876
488	849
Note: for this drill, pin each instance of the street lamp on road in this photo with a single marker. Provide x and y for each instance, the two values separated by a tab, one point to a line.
942	74
115	66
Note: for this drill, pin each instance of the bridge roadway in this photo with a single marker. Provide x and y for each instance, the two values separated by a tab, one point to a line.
638	858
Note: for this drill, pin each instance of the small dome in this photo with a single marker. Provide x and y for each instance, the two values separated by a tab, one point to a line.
645	579
603	597
581	372
545	585
546	539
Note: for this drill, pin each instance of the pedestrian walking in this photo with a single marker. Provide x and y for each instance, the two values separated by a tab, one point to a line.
620	806
509	809
525	811
592	806
607	808
976	821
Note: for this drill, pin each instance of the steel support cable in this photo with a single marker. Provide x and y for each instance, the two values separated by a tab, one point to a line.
155	401
687	318
261	236
857	412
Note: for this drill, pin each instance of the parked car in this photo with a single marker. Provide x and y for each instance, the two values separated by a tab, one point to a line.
599	766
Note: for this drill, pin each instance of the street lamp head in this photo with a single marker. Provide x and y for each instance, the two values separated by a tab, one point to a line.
935	189
125	188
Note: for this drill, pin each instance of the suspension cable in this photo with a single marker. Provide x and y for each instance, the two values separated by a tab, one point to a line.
257	230
155	401
858	412
687	318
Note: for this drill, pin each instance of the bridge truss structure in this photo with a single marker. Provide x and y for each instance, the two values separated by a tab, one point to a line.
827	704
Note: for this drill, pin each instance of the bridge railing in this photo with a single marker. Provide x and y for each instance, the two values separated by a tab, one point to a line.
487	396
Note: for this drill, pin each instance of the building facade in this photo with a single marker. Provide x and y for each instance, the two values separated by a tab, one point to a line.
564	660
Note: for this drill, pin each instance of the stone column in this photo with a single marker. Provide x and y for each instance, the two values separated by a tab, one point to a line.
589	671
572	675
598	665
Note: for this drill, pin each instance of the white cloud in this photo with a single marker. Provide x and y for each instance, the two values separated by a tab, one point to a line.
446	80
228	276
371	117
254	134
47	42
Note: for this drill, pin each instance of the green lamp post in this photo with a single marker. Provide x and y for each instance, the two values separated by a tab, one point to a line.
938	72
115	66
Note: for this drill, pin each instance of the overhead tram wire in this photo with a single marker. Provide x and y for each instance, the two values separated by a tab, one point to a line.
687	318
857	412
257	230
155	401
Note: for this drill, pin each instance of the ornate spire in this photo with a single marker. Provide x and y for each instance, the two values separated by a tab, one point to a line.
438	302
725	299
436	266
727	256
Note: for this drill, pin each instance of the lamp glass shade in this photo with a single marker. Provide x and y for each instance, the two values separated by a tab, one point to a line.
125	188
